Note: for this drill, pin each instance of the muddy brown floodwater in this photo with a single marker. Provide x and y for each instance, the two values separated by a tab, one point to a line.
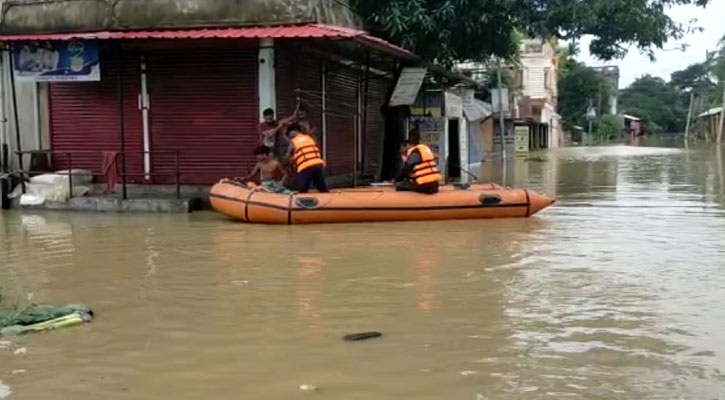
616	292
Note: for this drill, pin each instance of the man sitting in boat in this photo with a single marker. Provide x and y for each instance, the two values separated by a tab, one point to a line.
268	169
308	159
419	172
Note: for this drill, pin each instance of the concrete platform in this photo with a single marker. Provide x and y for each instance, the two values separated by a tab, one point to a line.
117	205
141	199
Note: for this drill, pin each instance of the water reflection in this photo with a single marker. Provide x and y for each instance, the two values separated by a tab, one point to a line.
427	262
613	293
309	271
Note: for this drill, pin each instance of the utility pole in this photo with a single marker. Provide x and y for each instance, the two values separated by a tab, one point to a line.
689	117
591	121
501	119
722	115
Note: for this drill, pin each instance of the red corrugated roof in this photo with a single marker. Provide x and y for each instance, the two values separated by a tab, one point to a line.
309	31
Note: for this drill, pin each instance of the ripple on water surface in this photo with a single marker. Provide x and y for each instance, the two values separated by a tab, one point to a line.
614	293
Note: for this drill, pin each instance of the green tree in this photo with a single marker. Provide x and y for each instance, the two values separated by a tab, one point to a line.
704	79
447	31
717	62
579	86
717	69
696	77
609	127
658	103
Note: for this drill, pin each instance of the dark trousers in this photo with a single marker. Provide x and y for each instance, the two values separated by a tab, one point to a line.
312	176
410	186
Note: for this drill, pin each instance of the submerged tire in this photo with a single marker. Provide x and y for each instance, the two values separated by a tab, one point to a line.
354	337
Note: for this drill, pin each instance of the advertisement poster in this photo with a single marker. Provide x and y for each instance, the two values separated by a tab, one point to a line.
433	134
521	139
56	61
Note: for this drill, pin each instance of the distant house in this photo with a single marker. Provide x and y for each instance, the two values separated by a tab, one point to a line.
708	123
633	125
534	91
538	76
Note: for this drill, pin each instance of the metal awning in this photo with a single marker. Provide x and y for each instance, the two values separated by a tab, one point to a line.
477	110
712	111
307	31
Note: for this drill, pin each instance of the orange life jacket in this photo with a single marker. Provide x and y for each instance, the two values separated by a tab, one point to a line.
425	171
306	154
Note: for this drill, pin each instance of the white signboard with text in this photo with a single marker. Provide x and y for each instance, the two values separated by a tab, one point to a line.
454	105
521	139
496	100
408	86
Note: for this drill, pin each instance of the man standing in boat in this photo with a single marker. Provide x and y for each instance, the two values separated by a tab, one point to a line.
420	171
272	132
302	123
308	160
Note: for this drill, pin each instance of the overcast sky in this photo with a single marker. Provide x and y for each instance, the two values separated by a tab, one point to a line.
712	19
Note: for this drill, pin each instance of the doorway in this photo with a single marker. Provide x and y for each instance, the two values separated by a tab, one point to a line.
454	146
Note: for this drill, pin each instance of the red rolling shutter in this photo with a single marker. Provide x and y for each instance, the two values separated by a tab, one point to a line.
341	110
297	70
203	103
85	116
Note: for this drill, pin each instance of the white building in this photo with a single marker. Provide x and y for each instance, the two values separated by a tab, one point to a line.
538	78
535	92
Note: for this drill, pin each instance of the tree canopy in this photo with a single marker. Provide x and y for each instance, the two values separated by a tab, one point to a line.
656	102
474	30
580	86
664	105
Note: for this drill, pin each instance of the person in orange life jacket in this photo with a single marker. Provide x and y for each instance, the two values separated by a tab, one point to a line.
419	172
308	160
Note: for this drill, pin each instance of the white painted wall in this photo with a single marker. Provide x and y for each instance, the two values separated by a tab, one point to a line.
540	79
463	144
267	84
539	70
32	114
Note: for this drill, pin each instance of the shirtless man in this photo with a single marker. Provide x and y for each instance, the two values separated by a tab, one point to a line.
268	168
272	133
302	123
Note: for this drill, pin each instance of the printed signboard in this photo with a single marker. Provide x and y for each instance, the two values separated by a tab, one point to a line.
521	139
56	61
408	86
496	100
454	105
433	132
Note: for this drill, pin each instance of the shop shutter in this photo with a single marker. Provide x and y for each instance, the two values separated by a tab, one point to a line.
299	74
341	112
85	117
203	103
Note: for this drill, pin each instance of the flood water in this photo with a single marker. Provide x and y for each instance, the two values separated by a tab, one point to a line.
616	292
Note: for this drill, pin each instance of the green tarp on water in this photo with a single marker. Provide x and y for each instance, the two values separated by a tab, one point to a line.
40	318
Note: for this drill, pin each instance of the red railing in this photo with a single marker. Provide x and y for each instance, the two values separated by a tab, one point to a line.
68	157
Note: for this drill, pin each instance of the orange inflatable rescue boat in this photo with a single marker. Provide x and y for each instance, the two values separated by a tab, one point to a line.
370	204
